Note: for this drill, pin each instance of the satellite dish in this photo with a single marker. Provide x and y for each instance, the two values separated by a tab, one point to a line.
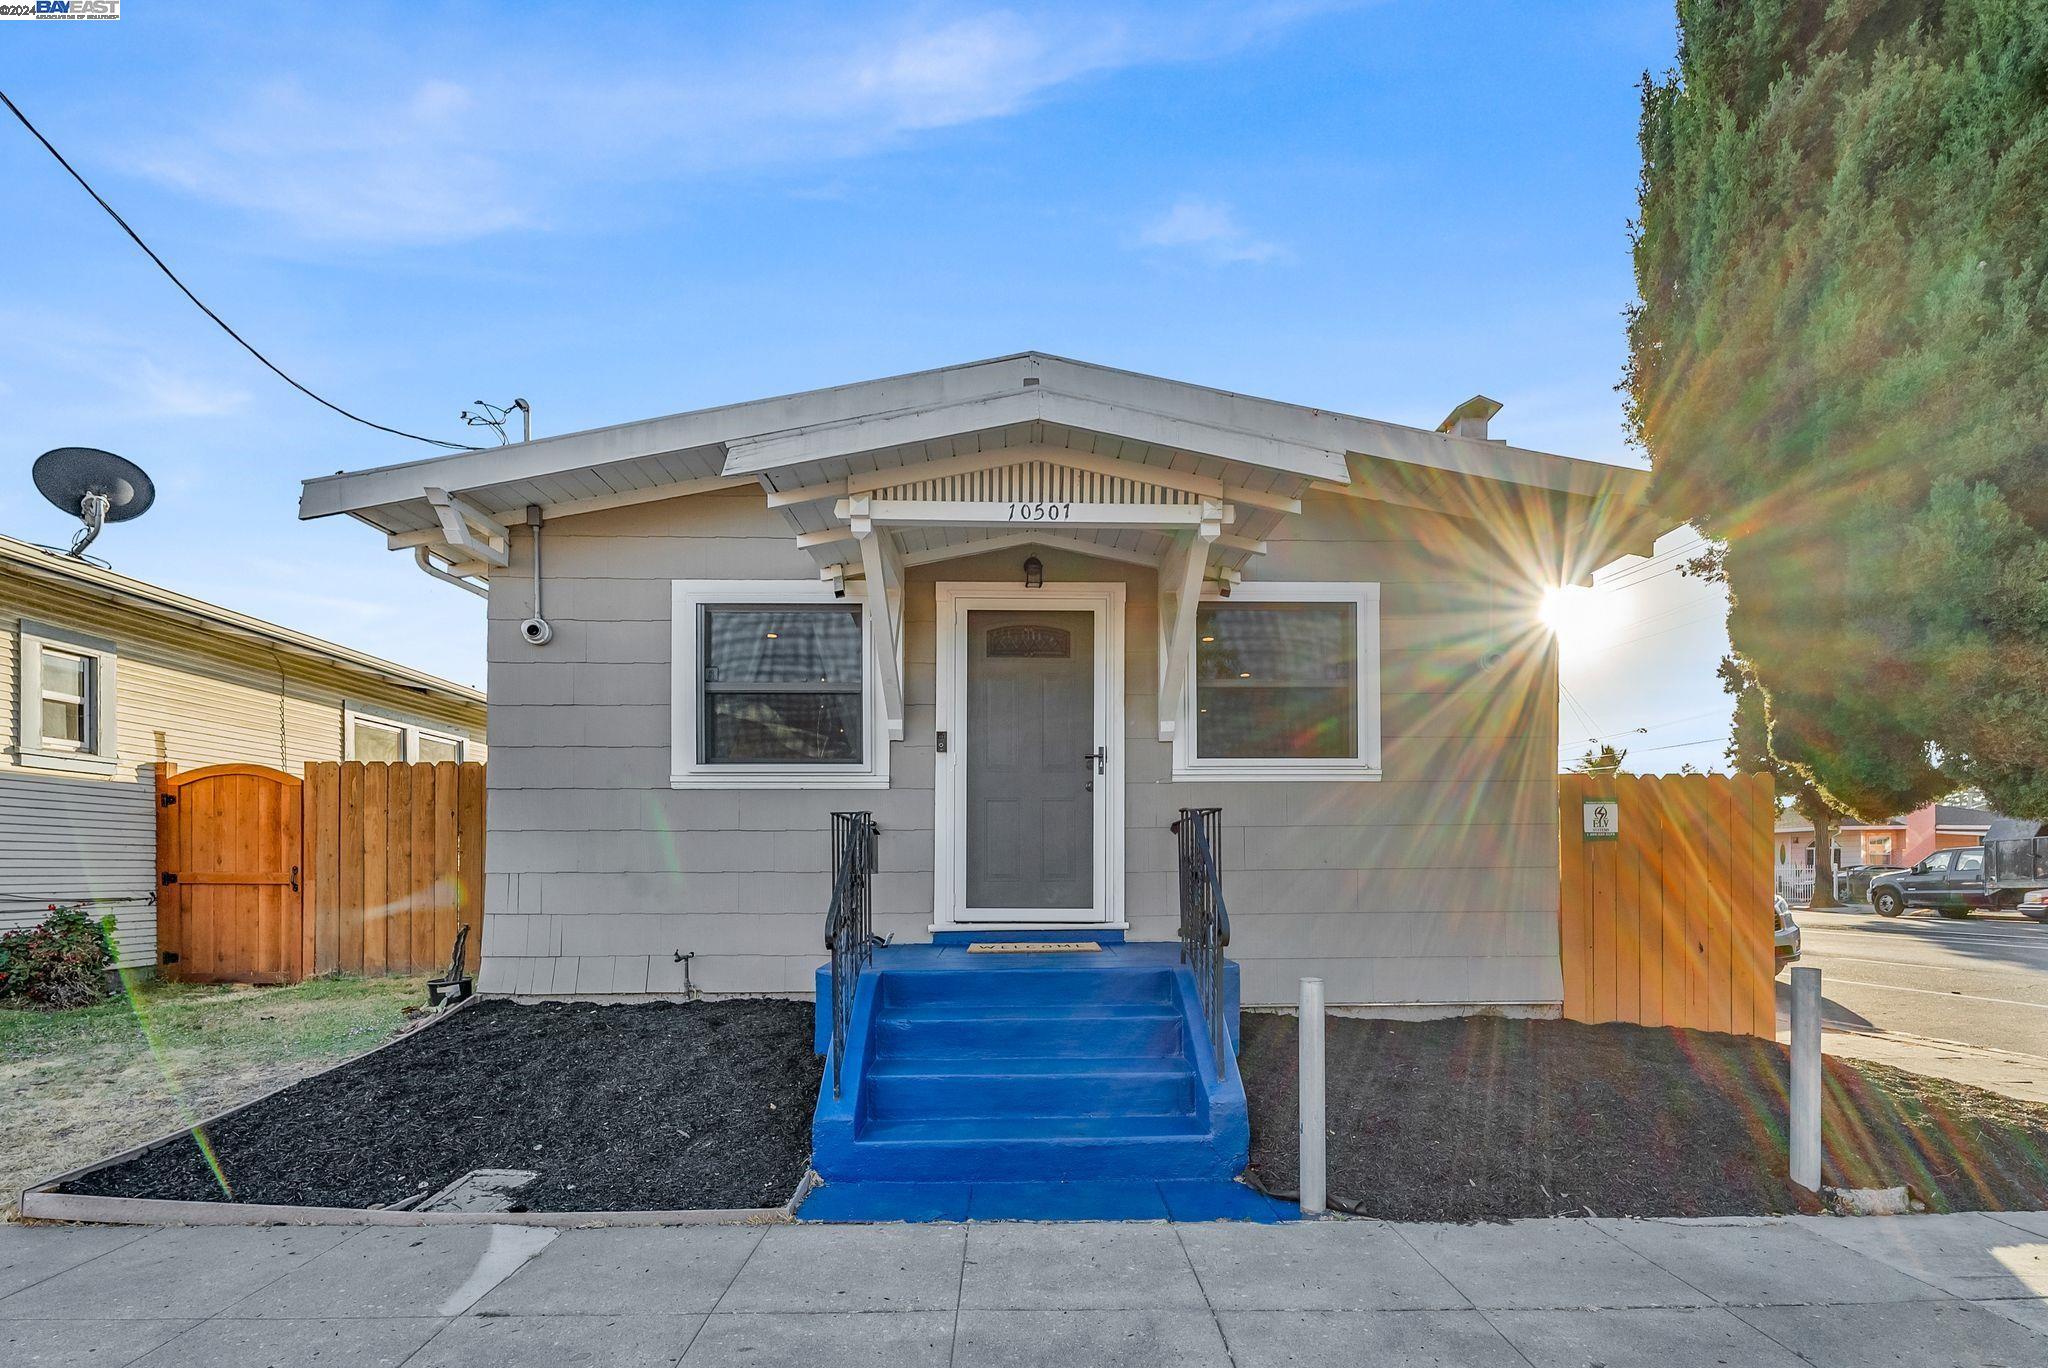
96	486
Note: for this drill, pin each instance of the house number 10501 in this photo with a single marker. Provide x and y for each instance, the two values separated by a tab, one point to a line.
1040	512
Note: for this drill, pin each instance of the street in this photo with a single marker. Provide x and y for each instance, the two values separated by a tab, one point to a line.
1980	982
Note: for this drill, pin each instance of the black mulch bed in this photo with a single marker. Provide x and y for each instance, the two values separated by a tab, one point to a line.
654	1106
1487	1119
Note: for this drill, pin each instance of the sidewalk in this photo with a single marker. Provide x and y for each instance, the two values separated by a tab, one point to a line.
2024	1077
1816	1290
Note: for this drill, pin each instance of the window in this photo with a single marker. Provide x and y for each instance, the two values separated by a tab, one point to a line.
433	748
782	685
373	740
771	687
391	741
64	714
1970	862
1285	685
67	701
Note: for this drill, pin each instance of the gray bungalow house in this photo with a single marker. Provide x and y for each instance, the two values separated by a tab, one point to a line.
1024	612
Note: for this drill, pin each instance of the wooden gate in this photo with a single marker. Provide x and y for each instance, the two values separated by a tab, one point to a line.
229	892
1665	916
395	860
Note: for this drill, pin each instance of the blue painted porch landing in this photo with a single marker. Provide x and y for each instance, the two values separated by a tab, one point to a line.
1035	1069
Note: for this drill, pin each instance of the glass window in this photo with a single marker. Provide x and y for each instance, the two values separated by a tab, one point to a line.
370	740
67	701
1276	681
782	684
434	749
1970	862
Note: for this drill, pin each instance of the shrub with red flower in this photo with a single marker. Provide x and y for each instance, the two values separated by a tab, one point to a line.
61	962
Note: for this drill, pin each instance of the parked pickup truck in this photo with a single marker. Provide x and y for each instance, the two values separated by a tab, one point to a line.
2011	865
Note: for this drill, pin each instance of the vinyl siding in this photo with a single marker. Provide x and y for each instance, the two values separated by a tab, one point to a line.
185	695
1435	885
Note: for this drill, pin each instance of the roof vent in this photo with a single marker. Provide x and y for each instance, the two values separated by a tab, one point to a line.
1469	419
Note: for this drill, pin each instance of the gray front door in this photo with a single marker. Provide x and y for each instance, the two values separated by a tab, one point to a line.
1030	781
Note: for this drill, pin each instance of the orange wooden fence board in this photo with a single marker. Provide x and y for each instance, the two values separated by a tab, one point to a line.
1669	923
391	847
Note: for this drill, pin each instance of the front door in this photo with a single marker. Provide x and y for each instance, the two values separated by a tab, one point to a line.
1031	762
1029	772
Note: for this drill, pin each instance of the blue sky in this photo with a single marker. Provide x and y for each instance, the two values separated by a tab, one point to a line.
631	210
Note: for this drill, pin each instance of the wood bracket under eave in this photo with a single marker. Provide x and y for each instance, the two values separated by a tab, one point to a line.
882	565
469	529
1180	589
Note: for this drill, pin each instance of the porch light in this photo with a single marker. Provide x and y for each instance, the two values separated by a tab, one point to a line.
1034	573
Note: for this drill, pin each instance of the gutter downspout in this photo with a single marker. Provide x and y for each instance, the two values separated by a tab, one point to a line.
425	562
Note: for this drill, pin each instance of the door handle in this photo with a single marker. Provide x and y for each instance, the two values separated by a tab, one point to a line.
295	878
1099	757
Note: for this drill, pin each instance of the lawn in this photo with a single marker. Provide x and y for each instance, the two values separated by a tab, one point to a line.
80	1085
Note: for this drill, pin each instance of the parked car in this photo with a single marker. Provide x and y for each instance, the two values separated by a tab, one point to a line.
1854	883
1949	881
2035	905
1784	931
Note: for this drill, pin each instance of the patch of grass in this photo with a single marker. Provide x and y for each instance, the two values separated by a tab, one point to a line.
78	1085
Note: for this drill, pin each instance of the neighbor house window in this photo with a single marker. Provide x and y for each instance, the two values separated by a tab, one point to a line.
433	748
67	701
771	685
64	700
1284	685
392	741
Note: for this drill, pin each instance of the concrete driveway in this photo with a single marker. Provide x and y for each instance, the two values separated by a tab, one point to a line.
1913	1290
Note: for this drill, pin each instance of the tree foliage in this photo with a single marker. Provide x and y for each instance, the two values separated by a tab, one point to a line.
1838	364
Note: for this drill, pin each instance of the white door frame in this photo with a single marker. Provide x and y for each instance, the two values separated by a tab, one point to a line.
949	781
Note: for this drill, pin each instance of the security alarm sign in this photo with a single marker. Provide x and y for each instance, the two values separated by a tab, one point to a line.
1603	819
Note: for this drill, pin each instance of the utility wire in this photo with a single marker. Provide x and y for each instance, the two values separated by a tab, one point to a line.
15	109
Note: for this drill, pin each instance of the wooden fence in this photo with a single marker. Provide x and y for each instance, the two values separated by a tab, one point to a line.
394	860
1665	917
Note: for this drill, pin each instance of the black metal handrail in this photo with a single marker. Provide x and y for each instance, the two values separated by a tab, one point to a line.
1204	919
849	923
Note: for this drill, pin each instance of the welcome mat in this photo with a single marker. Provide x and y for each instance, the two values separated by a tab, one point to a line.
1034	948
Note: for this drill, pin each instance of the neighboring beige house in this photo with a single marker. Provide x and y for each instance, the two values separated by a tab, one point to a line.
103	676
1024	611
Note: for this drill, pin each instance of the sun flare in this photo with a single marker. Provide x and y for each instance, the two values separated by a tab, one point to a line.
1579	618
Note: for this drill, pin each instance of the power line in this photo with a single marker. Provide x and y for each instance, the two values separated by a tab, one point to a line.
172	276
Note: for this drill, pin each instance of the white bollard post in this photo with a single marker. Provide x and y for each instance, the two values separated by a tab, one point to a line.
1806	1078
1315	1173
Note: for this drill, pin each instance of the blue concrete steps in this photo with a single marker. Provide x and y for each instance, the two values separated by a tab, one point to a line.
1088	1067
1103	1029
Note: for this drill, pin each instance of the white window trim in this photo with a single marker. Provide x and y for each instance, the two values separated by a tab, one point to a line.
1363	767
409	733
29	749
686	771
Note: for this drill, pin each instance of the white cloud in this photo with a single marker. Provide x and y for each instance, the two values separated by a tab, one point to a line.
390	148
168	394
1209	229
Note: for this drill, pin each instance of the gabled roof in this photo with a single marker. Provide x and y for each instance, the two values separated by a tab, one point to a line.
765	438
95	581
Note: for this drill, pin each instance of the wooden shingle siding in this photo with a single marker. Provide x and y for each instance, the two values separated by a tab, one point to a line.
1435	885
186	694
